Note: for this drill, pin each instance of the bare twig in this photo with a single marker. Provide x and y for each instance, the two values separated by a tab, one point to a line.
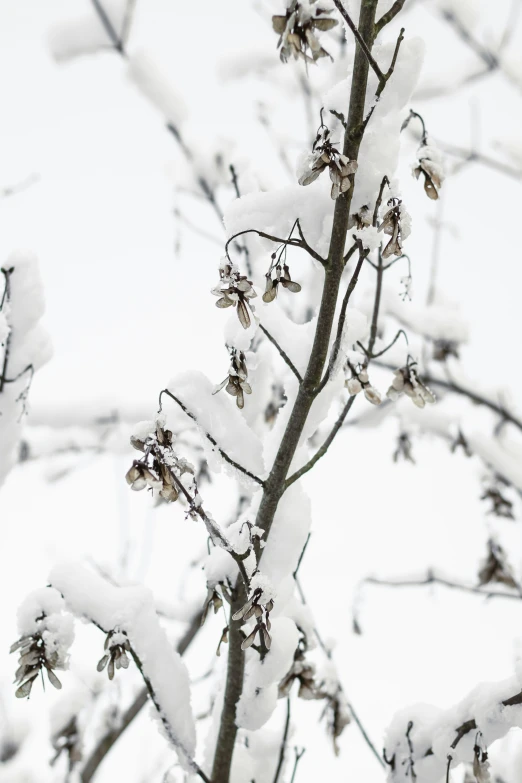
376	306
292	241
282	353
299	753
389	15
211	440
432	579
127	21
360	40
109	27
324	448
363	254
284	741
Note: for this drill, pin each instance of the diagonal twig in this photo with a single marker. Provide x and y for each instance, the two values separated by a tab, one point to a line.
209	437
388	16
324	448
282	353
360	40
432	579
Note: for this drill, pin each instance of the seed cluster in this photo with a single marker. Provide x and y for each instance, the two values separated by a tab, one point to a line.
235	290
297	31
236	383
325	156
116	648
34	658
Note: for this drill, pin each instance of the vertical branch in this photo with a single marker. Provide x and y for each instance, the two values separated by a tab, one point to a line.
275	484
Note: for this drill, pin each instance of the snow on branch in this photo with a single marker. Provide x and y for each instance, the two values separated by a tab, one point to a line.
130	612
424	742
24	347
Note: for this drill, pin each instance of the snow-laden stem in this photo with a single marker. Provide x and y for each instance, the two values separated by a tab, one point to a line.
209	437
105	743
274	486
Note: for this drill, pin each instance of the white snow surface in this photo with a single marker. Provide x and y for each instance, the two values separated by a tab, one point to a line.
132	610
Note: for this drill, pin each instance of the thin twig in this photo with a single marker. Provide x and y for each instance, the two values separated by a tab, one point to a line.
360	40
342	318
292	241
432	579
376	306
284	741
389	15
299	753
105	743
209	437
130	10
109	28
282	353
298	566
324	448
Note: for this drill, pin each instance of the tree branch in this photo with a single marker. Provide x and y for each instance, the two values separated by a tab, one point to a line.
324	448
211	440
389	16
109	28
292	241
342	318
282	353
360	40
432	579
275	485
284	741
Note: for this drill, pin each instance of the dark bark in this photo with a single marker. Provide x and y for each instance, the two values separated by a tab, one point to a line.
275	484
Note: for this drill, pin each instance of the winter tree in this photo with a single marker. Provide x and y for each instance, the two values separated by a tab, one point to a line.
264	521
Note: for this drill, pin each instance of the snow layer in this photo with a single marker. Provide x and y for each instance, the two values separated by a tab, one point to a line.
132	610
217	415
